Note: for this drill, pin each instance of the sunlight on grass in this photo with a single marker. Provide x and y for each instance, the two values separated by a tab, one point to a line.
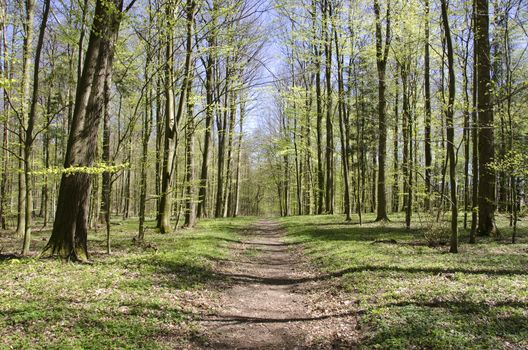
416	296
130	300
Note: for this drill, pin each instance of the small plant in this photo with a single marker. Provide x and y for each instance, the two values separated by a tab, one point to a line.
437	234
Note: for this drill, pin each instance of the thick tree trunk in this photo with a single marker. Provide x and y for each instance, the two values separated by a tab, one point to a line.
486	193
70	230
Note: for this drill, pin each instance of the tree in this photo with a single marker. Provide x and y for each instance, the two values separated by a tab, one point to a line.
427	121
449	111
170	125
486	141
70	230
382	54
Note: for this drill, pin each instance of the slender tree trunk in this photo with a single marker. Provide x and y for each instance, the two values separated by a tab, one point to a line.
343	133
407	144
319	109
396	154
221	130
382	52
24	202
329	154
171	125
147	126
467	133
238	162
190	207
427	133
474	161
6	73
204	177
229	160
449	110
32	116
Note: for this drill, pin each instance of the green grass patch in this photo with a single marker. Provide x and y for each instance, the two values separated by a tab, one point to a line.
133	299
421	297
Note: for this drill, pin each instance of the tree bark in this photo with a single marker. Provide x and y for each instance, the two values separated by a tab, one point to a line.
486	193
449	111
382	53
69	237
329	154
190	207
427	121
171	125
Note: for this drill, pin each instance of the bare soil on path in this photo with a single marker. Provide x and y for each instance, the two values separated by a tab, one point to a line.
275	300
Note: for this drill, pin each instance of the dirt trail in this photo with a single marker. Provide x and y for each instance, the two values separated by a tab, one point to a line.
272	302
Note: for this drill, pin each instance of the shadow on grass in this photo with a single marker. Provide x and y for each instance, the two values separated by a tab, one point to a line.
356	233
6	257
252	279
237	319
450	325
65	324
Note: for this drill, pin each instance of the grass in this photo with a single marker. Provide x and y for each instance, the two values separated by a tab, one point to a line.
420	297
137	298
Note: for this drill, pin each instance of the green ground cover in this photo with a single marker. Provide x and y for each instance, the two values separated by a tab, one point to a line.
414	296
133	299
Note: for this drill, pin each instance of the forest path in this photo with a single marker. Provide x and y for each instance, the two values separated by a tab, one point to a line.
276	300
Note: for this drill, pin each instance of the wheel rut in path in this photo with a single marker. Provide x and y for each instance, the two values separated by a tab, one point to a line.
272	301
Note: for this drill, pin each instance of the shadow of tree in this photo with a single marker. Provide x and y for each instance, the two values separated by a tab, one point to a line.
451	324
238	319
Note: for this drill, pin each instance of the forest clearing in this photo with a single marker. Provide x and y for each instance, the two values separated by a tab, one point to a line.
263	174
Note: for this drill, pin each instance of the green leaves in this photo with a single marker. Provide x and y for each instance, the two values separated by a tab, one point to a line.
97	169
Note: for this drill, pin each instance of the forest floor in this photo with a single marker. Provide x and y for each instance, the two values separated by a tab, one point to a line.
411	294
300	282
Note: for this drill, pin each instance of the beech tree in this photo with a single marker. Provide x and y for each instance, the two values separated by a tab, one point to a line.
70	230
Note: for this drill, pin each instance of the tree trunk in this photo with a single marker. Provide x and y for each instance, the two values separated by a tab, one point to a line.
239	164
486	193
70	230
5	133
343	133
449	111
171	125
204	177
427	133
147	126
319	109
396	184
329	154
382	52
32	116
